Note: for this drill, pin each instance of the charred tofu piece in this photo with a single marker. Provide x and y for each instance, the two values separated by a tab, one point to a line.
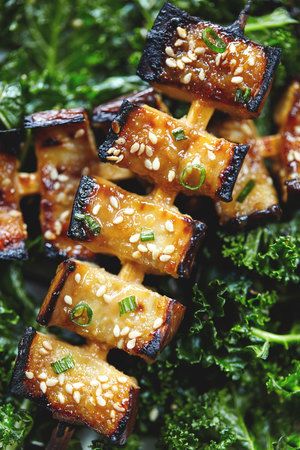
117	313
75	384
134	228
65	149
254	196
172	154
12	227
288	117
188	58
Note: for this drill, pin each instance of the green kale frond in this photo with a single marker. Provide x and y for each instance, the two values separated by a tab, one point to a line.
15	424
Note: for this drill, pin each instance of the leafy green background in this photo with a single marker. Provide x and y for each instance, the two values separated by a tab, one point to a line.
231	378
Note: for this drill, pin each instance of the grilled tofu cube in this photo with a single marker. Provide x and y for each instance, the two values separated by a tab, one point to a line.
134	228
65	149
125	315
75	384
288	117
188	58
12	228
254	196
172	154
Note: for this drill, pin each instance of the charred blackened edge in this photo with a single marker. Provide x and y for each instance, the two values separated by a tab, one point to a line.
49	305
121	118
15	251
10	141
164	334
126	424
230	174
260	217
53	252
198	234
86	188
52	118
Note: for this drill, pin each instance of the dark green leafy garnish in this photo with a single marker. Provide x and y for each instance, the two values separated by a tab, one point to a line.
90	222
128	304
242	95
63	364
147	235
213	41
81	314
188	172
245	191
179	134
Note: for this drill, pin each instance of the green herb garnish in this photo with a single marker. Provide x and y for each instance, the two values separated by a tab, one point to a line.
179	134
242	95
128	304
63	364
90	222
245	191
147	235
187	172
81	314
213	41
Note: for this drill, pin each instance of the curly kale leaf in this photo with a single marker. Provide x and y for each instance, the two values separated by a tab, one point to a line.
11	107
272	251
133	443
286	386
15	424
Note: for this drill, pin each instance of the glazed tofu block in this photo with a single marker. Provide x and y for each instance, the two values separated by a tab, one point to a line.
114	312
12	227
288	117
65	149
171	153
75	384
188	58
134	228
255	199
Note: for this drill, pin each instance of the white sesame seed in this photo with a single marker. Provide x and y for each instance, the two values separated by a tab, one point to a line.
57	227
43	387
99	391
233	62
125	331
181	32
142	248
191	55
101	401
142	149
94	382
112	158
107	298
201	74
120	343
164	258
186	78
29	375
68	299
78	385
96	209
149	151
114	202
131	344
92	401
171	175
134	148
199	50
101	291
49	235
238	70
186	60
47	345
251	61
136	254
114	388
237	80
152	137
77	277
63	177
157	323
218	59
103	378
77	396
116	330
169	51
122	379
14	213
79	133
118	219
211	155
151	247
169	249
53	174
120	141
134	238
61	398
171	62
156	164
61	378
56	186
108	394
51	382
178	42
134	334
153	415
128	211
43	351
148	164
69	388
118	407
169	226
180	64
42	376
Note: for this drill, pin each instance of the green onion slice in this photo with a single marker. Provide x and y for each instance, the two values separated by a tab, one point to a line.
128	304
245	191
179	134
90	222
242	96
63	364
213	41
188	171
81	314
147	235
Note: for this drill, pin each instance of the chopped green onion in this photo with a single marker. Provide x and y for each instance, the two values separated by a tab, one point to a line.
147	235
246	191
179	134
128	304
81	314
213	41
187	171
63	364
90	222
242	96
